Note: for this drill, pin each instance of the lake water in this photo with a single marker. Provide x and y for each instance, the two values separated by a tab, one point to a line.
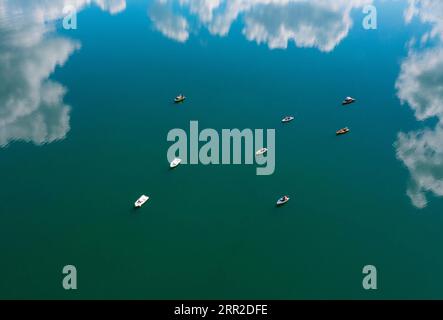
84	116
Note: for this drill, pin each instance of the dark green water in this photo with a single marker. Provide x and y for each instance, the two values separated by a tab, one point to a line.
84	116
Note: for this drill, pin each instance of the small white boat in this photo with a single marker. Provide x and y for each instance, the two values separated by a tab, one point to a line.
348	100
282	200
141	201
179	98
287	119
261	151
175	162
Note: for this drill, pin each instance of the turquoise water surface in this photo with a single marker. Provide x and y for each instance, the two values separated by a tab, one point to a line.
84	116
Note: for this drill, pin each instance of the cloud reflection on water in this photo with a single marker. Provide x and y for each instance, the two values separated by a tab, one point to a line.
31	105
420	85
320	24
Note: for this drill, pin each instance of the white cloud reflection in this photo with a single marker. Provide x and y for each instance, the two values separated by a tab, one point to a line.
420	85
422	153
320	24
428	12
31	105
171	25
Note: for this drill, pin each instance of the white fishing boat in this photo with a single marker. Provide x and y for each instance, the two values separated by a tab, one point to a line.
348	100
282	200
141	201
261	151
175	162
287	119
179	98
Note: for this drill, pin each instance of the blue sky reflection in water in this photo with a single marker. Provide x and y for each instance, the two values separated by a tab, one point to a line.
84	116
